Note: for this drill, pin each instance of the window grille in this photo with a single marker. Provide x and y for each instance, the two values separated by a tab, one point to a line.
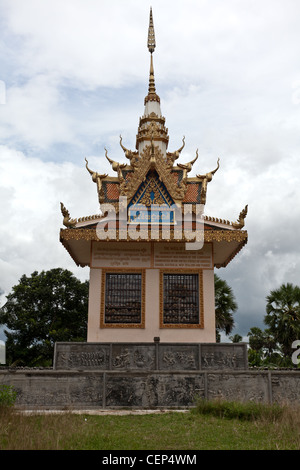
123	298
181	299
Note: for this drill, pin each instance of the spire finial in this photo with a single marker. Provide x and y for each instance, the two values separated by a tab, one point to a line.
151	34
151	46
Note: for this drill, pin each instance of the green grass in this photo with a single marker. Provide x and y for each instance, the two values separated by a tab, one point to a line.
223	426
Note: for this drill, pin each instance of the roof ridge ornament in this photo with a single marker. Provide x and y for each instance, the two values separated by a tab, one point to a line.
187	167
67	221
116	166
172	156
97	178
205	180
239	224
132	156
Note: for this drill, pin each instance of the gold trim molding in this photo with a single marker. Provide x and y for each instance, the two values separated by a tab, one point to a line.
238	236
229	236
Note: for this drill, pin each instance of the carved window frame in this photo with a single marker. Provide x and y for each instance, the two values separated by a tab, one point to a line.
103	296
200	324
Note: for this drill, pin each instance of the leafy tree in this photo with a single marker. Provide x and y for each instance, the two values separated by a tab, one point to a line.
283	316
236	338
263	350
262	340
274	345
42	309
225	307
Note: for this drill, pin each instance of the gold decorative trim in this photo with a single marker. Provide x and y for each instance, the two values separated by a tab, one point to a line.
102	308
132	156
162	325
97	178
152	184
91	218
205	180
67	221
90	234
98	217
187	167
172	156
241	220
152	128
209	218
116	166
238	236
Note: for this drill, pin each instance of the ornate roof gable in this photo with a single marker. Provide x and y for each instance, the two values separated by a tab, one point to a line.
152	191
152	159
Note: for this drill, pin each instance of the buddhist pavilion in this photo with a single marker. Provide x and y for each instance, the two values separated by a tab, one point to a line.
152	251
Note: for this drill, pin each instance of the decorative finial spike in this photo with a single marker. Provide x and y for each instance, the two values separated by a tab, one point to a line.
151	34
152	96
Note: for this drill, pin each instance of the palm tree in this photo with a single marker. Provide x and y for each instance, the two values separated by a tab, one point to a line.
225	306
283	316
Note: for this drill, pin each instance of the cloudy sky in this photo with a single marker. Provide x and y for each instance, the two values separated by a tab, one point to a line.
73	77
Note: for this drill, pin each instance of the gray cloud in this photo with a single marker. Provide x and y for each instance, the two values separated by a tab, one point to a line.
228	76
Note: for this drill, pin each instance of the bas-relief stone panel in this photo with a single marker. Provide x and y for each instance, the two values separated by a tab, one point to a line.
74	356
149	356
52	391
285	387
218	356
153	390
133	357
179	357
238	387
113	389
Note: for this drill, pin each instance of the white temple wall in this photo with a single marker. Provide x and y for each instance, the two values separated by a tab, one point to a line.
152	326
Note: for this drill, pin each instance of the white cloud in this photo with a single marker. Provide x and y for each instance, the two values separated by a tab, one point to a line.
75	40
31	191
33	113
76	73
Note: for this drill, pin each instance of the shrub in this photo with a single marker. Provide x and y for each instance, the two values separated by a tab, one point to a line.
234	410
7	396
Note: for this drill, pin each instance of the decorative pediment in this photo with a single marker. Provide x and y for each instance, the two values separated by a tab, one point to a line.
152	159
152	191
151	202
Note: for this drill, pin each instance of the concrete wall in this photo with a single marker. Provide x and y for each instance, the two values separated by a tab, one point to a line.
53	389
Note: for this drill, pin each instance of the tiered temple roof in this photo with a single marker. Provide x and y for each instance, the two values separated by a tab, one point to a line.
152	177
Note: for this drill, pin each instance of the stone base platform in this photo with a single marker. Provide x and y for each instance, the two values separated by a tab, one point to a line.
111	376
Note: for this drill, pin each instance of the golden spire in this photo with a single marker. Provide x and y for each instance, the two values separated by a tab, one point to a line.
151	34
152	96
